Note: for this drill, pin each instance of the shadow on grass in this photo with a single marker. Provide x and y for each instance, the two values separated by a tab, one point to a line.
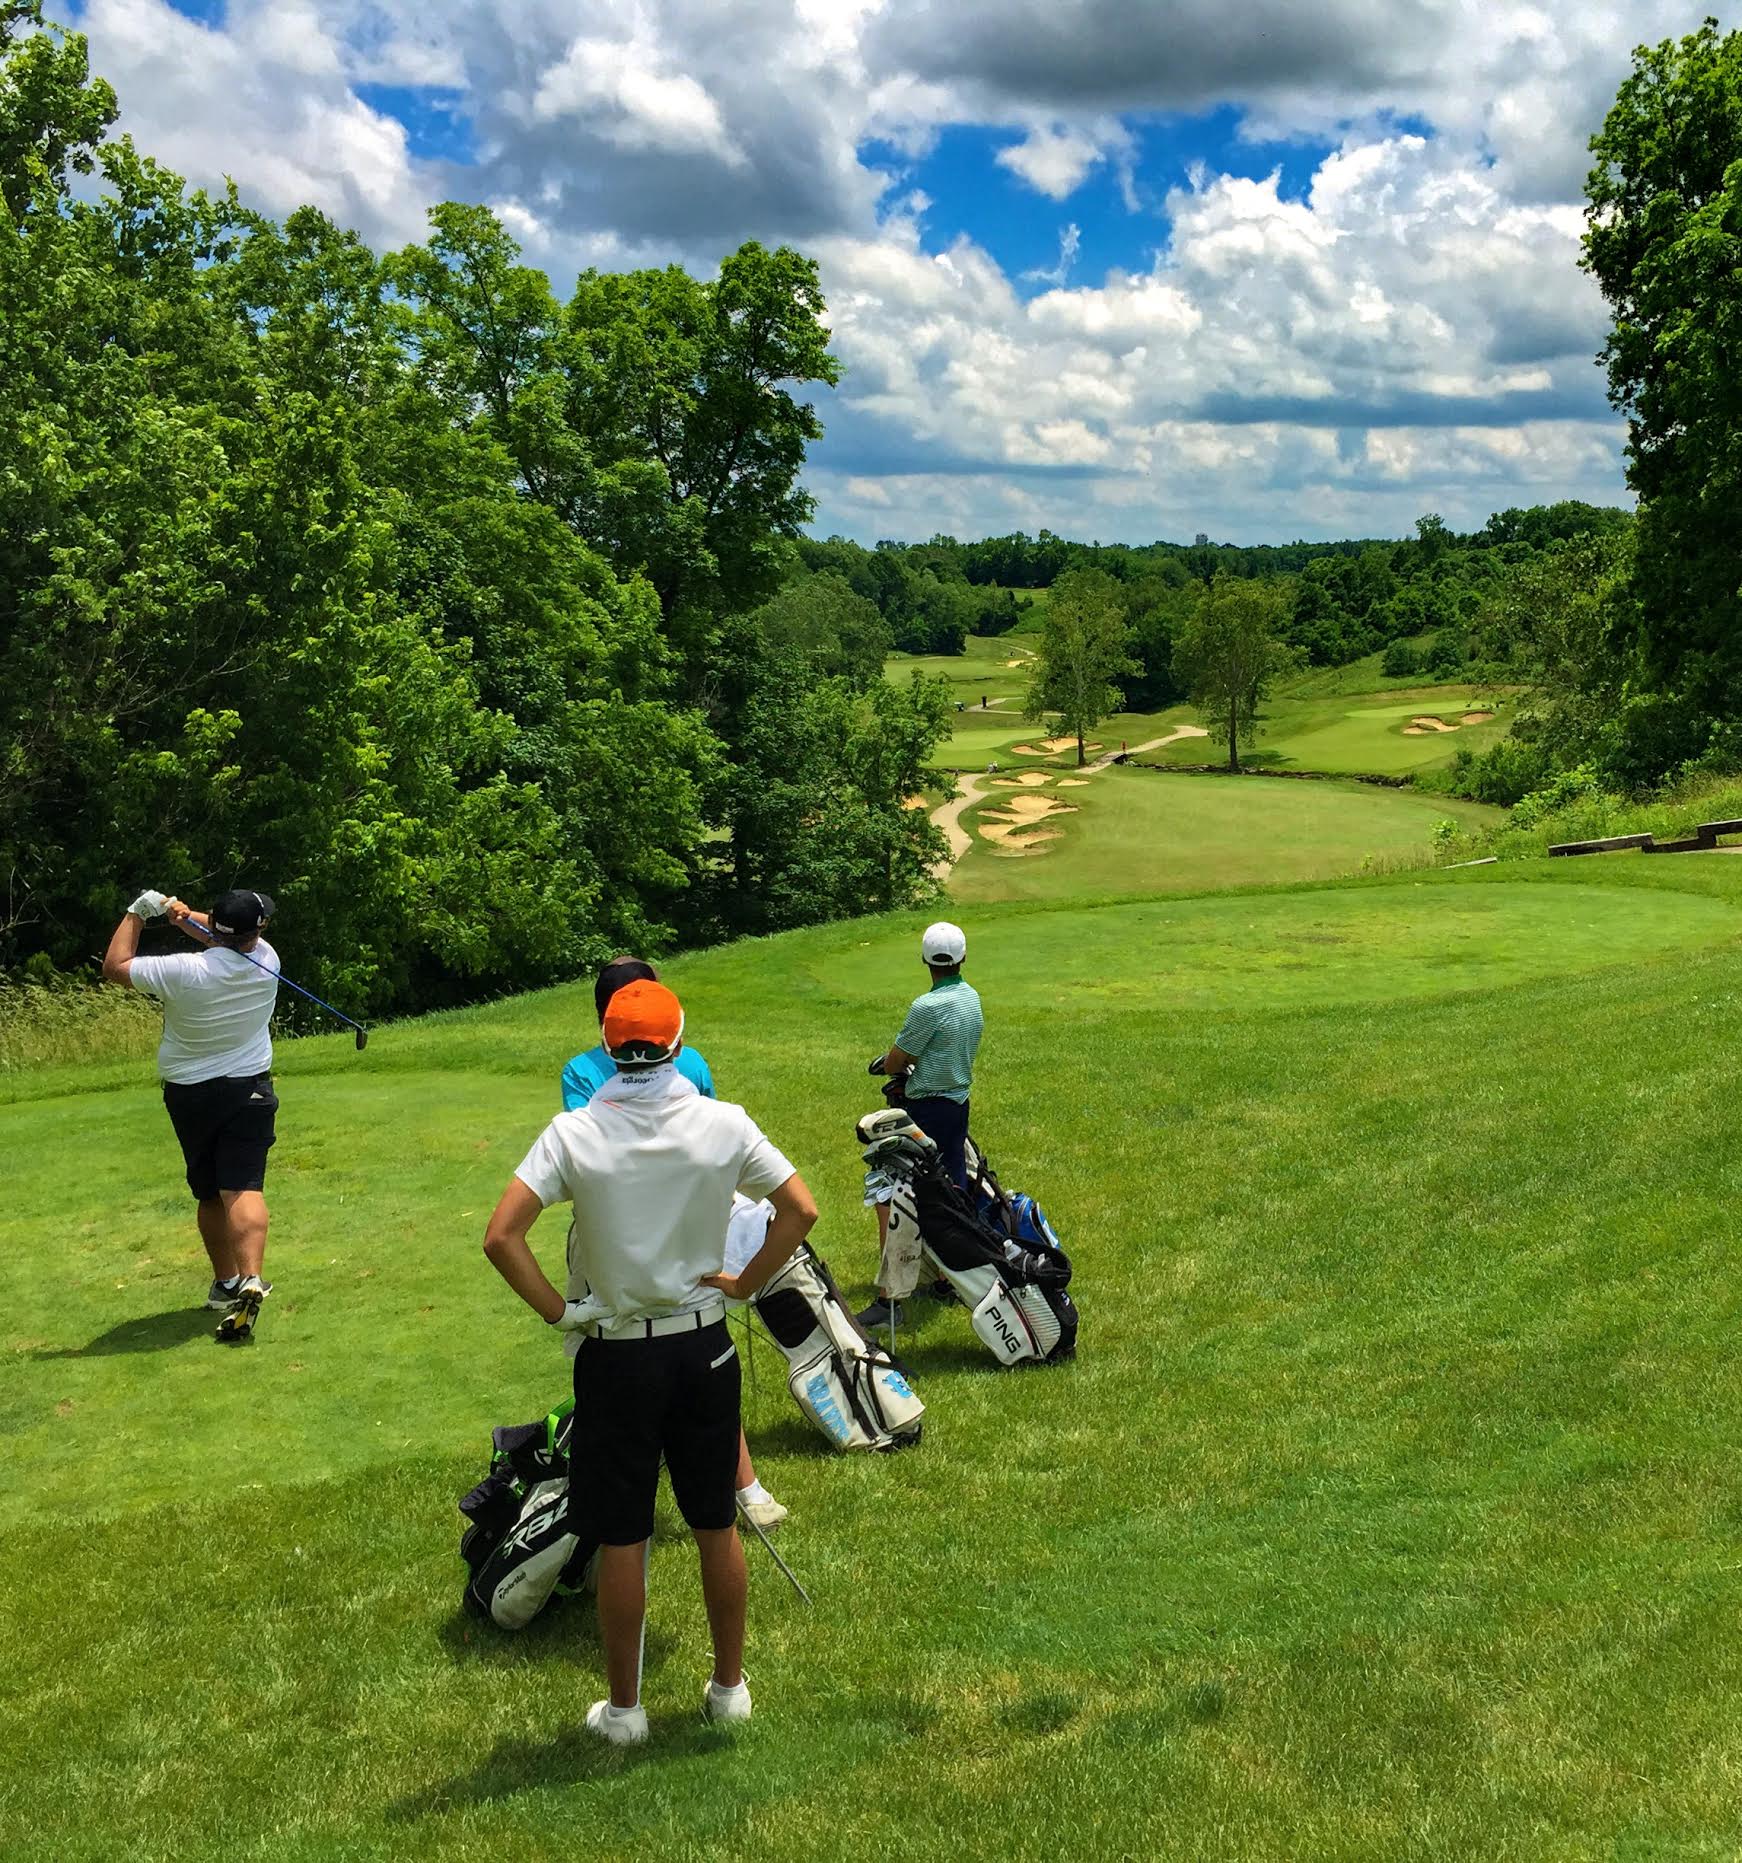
150	1332
794	1436
566	1631
569	1757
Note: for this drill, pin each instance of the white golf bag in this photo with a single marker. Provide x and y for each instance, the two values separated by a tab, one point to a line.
845	1382
1014	1290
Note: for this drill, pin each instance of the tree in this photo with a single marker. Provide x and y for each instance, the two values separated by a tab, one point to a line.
821	618
1228	652
1085	647
1664	241
53	114
680	390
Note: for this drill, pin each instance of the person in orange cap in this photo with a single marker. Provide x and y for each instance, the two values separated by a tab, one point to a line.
651	1166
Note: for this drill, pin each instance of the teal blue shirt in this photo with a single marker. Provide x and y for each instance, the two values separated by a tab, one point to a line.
587	1073
942	1033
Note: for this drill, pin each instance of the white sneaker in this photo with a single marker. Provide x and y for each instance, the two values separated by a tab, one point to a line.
766	1514
726	1704
625	1727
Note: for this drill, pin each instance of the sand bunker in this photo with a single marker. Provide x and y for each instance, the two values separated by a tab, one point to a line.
1073	782
1430	724
1027	750
1014	827
1009	844
916	802
1476	718
1065	743
1028	779
1413	731
1033	808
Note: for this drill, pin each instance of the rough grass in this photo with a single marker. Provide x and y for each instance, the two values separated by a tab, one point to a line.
72	1022
1389	1509
1598	817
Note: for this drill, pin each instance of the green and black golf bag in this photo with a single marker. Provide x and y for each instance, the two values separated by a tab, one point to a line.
1013	1284
518	1548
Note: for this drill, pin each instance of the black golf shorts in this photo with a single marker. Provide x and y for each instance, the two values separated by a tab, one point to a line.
639	1399
226	1127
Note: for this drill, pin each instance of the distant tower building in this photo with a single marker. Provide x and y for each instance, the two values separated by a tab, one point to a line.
1202	538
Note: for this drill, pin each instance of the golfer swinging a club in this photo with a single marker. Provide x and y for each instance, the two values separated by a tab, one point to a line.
216	1063
650	1167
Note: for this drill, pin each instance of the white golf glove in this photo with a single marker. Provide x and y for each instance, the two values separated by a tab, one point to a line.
578	1314
149	905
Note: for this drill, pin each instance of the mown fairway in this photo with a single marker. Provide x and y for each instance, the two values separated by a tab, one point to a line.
1140	830
1389	1510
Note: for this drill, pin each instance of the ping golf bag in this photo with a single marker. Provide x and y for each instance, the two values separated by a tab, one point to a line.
517	1546
1014	1287
848	1386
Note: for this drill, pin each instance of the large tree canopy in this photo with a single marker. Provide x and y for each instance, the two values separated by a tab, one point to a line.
396	587
1664	241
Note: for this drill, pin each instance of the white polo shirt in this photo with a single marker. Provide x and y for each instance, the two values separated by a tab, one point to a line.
217	1011
650	1167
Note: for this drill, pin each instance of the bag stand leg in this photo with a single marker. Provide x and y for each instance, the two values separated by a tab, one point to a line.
766	1541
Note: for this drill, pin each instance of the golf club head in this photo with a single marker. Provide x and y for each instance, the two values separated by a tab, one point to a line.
362	1040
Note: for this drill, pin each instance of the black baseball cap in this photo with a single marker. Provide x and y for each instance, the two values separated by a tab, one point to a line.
240	914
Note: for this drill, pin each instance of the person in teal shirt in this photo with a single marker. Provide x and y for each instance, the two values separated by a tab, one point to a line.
935	1051
582	1078
587	1073
936	1048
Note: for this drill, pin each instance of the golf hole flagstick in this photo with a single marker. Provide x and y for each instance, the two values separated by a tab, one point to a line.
362	1033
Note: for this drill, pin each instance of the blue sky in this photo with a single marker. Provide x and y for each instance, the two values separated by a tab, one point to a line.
974	195
1320	280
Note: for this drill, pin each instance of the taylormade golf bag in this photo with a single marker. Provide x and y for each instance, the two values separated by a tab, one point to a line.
846	1383
518	1549
1013	1287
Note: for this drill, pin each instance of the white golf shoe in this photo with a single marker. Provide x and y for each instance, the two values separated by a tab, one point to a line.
623	1727
726	1704
766	1513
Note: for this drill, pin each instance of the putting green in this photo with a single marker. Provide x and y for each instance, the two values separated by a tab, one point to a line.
1284	950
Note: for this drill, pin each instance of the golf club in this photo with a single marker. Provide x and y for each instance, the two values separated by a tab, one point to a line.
766	1541
362	1033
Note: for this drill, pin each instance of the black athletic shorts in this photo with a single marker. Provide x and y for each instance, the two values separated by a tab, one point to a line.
226	1128
639	1399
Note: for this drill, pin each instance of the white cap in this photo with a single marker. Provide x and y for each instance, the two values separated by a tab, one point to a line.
943	943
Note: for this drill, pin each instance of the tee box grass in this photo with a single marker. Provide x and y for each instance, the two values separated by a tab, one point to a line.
1388	1510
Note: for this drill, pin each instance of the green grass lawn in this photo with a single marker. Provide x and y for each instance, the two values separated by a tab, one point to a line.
1390	1509
1144	831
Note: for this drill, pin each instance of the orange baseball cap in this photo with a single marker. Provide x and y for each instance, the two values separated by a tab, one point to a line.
643	1022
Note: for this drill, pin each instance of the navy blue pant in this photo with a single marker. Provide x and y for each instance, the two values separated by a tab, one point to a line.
945	1123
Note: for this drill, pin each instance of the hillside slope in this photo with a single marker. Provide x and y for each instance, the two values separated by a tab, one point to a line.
1390	1507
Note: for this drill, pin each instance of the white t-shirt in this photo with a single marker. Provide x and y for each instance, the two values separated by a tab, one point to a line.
650	1167
217	1011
